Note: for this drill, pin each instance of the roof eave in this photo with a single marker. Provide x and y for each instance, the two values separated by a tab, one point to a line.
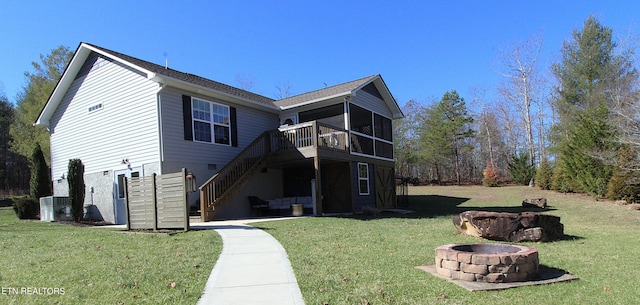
337	95
63	84
388	98
211	92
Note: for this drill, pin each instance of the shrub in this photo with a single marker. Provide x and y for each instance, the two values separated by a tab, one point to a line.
40	184
490	175
26	208
625	184
560	181
544	175
521	169
75	177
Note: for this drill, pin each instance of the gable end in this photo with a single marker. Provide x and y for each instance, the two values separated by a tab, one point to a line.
371	89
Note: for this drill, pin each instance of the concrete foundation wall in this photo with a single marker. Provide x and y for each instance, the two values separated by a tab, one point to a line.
102	186
266	185
99	191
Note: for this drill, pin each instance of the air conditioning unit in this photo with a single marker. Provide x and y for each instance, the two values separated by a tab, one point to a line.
53	208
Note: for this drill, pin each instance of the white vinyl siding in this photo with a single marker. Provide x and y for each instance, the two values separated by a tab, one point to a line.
250	123
370	102
125	127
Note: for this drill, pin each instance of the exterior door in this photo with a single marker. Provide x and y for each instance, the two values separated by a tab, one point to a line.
119	208
336	188
385	187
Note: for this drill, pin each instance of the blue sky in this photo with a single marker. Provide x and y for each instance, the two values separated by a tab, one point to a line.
422	49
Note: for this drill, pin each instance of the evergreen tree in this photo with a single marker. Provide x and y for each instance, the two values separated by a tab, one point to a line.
588	68
75	177
544	175
521	169
40	182
6	118
445	128
625	182
435	146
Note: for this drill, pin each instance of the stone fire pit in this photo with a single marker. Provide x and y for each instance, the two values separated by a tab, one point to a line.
487	262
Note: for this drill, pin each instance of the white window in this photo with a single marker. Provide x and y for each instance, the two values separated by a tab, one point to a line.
363	178
211	122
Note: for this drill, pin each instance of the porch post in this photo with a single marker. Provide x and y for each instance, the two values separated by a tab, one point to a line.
351	189
316	165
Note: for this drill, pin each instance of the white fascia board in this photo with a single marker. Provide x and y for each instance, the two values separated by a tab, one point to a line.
63	84
122	61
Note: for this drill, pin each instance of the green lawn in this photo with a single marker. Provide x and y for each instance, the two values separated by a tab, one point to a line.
361	260
371	260
99	266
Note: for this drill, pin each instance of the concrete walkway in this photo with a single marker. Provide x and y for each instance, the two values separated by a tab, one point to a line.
253	268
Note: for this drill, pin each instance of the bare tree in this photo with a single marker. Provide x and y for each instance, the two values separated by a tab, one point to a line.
512	133
245	81
522	86
284	90
625	115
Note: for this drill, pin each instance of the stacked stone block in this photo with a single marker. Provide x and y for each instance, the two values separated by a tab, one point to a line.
502	267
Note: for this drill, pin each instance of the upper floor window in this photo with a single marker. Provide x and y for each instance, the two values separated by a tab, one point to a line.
211	122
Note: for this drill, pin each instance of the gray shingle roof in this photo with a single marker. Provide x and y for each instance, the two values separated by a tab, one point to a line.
190	78
340	89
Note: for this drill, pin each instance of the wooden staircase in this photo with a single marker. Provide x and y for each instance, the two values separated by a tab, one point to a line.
216	192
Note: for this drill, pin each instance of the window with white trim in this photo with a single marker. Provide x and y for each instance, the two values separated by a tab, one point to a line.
363	178
211	122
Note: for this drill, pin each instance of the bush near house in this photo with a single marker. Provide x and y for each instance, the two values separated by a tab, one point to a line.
40	184
76	188
26	208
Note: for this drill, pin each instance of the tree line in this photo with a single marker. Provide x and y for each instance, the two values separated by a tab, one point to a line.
24	148
576	131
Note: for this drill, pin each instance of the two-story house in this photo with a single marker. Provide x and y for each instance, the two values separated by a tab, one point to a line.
126	117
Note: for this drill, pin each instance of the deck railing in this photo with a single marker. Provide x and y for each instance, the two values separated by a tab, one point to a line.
310	134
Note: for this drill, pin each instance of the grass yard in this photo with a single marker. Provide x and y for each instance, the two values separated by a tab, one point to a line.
371	260
99	266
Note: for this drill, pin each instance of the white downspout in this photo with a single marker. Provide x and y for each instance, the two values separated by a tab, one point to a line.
347	123
163	84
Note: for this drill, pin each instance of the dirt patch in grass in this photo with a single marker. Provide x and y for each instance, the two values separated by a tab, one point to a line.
149	231
86	223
